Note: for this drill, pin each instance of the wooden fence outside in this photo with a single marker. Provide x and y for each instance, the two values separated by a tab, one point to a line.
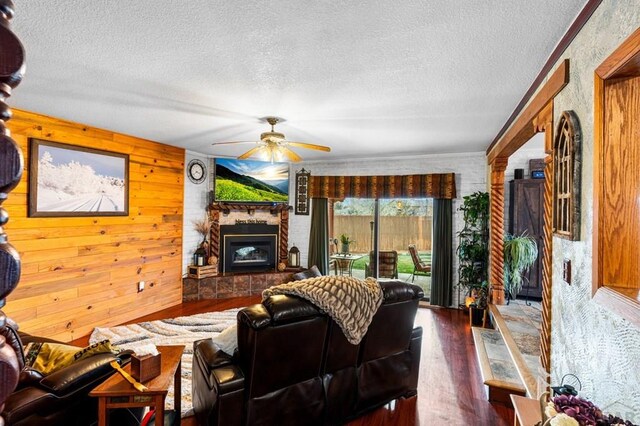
396	232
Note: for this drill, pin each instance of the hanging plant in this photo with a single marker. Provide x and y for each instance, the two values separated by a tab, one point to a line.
520	252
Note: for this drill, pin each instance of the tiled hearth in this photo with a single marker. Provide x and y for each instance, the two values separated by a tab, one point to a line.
222	287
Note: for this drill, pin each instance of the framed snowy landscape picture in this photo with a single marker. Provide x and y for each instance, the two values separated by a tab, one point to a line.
69	180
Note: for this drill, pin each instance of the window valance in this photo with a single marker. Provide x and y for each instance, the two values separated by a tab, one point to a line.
441	185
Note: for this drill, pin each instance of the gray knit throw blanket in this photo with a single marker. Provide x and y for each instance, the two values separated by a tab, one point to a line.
351	302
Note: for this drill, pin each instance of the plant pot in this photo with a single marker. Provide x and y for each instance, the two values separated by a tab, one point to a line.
476	316
345	248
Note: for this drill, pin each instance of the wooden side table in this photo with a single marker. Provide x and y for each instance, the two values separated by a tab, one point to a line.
116	392
527	411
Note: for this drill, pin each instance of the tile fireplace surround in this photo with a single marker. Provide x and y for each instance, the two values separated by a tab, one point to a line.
236	285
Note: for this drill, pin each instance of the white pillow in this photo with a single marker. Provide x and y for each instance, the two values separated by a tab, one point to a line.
227	340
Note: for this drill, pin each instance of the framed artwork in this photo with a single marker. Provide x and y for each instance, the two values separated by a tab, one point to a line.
302	192
69	180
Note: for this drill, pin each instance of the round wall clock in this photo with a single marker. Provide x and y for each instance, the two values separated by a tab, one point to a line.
197	171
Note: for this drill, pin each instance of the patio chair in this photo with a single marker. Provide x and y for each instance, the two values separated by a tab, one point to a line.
388	264
419	266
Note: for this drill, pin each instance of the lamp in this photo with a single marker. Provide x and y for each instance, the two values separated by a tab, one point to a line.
294	257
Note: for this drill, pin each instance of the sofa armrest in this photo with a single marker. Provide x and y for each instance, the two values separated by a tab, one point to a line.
79	374
29	377
217	386
210	354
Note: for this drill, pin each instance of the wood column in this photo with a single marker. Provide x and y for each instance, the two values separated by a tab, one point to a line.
11	165
284	237
544	123
496	235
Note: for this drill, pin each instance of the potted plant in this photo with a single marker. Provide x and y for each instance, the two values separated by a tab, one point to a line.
344	239
473	243
520	252
478	307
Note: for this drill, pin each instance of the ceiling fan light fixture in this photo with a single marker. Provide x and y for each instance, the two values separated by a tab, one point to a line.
273	146
272	136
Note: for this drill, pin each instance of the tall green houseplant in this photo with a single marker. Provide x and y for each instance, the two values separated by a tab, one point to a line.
520	252
473	242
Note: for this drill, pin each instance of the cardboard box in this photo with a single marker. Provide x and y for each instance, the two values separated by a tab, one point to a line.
146	367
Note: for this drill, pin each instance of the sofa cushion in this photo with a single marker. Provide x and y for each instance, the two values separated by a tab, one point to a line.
50	357
227	340
308	273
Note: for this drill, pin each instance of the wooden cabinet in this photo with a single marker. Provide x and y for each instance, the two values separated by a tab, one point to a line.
526	214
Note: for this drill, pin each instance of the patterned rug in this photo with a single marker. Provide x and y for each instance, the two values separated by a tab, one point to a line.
173	331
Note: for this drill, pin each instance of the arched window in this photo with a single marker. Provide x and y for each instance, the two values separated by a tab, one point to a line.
566	176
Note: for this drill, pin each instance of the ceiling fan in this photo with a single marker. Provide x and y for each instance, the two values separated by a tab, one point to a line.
274	146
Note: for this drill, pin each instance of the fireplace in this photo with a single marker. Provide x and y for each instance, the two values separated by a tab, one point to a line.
248	247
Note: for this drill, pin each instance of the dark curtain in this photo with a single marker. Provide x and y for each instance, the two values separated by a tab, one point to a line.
319	236
442	254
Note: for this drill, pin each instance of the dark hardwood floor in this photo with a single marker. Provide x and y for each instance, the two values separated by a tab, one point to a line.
450	389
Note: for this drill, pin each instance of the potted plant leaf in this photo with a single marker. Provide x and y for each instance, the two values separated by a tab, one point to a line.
520	252
346	242
473	243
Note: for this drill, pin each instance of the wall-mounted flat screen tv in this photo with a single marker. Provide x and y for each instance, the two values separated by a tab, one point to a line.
251	181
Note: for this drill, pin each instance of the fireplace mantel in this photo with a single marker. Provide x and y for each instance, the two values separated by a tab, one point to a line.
272	213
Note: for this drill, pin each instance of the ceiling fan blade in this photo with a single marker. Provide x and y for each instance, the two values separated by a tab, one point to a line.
249	153
234	142
290	155
309	146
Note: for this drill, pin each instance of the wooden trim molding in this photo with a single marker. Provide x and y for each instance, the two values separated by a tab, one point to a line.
496	232
522	129
564	42
624	61
621	67
544	122
623	301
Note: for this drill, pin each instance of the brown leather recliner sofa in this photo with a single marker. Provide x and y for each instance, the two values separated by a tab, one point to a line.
62	397
294	366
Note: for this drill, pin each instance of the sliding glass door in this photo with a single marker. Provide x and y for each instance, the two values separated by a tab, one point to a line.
400	222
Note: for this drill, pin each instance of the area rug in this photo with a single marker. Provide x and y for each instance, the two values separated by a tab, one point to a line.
173	331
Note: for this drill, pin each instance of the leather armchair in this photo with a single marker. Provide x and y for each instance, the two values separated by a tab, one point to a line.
295	366
60	398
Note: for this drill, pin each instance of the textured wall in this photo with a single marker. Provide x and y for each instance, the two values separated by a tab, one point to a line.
598	346
470	170
195	203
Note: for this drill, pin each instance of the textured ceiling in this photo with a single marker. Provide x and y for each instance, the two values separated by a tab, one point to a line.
367	78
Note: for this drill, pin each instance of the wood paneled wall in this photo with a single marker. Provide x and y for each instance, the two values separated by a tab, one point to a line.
79	273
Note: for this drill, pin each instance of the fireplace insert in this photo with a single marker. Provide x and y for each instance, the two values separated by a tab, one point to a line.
248	248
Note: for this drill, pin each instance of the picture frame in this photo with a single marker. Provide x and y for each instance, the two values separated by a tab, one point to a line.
69	180
302	192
